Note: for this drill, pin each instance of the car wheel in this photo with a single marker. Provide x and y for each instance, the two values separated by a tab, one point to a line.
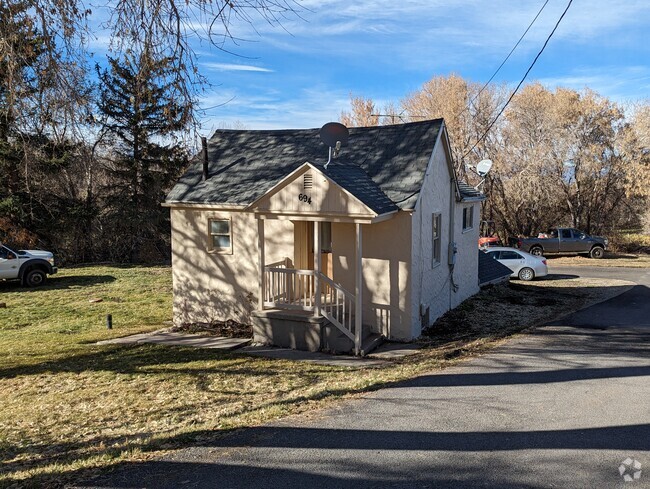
34	278
526	274
536	251
597	252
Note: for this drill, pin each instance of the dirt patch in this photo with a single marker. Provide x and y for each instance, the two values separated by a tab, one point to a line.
502	310
229	329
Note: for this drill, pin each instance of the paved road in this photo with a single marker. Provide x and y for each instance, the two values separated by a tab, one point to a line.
559	408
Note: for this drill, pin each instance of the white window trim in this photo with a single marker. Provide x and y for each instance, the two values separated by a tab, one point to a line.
436	260
211	247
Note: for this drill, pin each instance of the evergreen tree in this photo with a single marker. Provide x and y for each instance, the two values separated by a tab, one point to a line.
139	103
19	55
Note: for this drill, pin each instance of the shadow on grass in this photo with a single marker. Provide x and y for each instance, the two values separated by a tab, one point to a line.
55	282
144	359
134	359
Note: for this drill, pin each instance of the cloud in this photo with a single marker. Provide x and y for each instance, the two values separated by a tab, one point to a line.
272	109
234	67
625	86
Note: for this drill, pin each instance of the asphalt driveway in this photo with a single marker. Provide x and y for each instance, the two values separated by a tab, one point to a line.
563	407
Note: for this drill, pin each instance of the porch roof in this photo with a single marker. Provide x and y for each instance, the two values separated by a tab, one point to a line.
382	166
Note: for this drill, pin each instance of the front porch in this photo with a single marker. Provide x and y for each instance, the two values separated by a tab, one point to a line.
306	309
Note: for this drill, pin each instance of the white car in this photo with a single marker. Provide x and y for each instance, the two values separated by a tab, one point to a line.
523	265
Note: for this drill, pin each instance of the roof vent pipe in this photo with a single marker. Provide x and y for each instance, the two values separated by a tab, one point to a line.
204	144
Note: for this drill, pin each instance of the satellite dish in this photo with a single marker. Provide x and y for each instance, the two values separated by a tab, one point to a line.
335	135
334	132
483	167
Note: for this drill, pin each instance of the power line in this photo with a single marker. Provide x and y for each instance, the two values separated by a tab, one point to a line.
521	82
471	102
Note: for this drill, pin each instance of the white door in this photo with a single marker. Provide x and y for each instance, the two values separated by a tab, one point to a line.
9	264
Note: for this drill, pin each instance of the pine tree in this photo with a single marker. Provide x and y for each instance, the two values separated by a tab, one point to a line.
139	104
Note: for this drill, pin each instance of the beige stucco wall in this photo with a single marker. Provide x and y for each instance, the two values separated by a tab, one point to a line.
213	286
386	272
432	285
209	286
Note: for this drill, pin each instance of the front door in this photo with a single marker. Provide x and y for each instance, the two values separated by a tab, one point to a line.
304	247
303	238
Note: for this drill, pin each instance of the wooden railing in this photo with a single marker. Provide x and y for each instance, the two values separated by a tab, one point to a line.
337	305
289	288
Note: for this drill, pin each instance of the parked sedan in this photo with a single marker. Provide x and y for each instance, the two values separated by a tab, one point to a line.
523	265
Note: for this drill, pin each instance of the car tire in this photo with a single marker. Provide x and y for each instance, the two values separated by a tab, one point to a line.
526	274
536	251
34	278
597	252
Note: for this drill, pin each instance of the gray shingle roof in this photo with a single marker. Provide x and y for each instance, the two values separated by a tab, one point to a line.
389	162
490	271
356	181
467	192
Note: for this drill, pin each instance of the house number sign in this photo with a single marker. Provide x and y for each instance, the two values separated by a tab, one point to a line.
304	198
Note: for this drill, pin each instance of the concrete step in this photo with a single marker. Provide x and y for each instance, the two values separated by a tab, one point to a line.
371	342
335	341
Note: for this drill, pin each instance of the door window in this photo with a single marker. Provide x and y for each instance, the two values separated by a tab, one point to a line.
566	234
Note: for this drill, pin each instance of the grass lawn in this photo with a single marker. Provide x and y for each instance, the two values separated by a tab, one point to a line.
69	407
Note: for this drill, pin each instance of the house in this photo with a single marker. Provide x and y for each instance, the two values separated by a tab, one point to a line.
379	243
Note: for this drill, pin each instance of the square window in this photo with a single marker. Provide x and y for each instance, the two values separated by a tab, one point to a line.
220	235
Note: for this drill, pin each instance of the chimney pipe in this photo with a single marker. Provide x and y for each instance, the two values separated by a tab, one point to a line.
204	144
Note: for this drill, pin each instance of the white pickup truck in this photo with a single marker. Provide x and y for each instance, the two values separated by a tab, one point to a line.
31	267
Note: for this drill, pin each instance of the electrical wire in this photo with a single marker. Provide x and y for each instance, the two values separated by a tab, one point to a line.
471	102
521	82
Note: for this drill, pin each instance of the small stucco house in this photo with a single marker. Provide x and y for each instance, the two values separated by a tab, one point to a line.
379	243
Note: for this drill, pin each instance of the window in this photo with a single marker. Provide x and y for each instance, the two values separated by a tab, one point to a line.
220	235
566	234
436	240
468	217
326	237
494	254
510	255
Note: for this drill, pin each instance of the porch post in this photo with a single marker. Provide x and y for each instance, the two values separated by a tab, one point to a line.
358	336
260	252
317	288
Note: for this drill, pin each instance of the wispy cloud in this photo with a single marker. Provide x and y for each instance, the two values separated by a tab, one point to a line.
235	67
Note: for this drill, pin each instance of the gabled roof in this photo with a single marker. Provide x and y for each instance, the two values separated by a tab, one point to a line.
383	166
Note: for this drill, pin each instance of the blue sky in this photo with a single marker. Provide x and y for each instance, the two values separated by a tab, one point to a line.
302	75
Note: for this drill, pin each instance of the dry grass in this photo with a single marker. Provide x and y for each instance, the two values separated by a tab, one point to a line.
609	260
630	242
70	407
